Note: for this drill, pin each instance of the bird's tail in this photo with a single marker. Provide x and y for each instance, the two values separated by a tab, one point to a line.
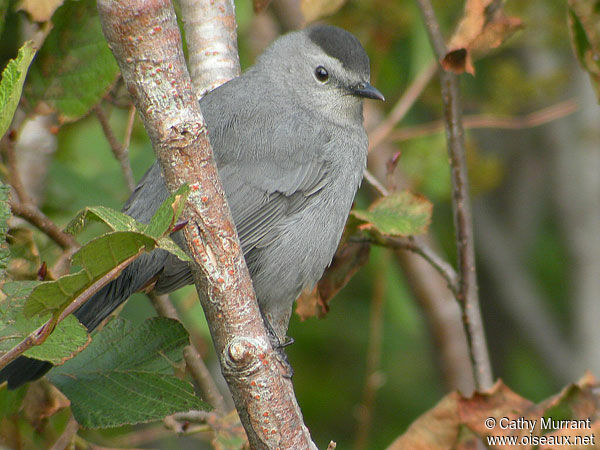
133	278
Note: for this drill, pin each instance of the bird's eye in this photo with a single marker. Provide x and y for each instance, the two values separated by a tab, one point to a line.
321	74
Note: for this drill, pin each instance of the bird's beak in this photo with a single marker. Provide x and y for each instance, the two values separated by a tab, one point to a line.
366	90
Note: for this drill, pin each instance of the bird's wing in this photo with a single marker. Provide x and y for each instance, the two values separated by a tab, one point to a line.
263	197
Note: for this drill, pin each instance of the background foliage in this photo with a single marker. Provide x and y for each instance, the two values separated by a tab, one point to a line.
535	185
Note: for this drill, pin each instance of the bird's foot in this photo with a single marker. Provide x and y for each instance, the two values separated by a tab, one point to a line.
279	345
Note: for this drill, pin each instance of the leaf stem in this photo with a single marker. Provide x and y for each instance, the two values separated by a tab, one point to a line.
40	334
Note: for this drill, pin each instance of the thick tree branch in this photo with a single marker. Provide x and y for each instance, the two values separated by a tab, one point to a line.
145	39
210	32
467	296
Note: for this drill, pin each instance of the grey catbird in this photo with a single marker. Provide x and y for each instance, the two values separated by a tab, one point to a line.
290	146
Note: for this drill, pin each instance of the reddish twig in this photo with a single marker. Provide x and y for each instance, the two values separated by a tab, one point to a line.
144	36
34	216
14	175
25	208
467	295
129	127
430	289
39	335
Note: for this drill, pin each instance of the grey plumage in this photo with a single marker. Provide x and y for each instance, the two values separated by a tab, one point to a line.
291	149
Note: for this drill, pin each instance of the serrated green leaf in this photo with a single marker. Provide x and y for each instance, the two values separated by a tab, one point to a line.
160	225
169	211
115	220
97	258
584	24
399	214
166	243
4	215
75	68
124	376
67	339
11	85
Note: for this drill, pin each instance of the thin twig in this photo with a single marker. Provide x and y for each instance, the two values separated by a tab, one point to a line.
467	295
420	248
193	360
64	440
439	305
374	377
39	335
14	175
121	152
34	216
129	127
373	181
534	119
410	96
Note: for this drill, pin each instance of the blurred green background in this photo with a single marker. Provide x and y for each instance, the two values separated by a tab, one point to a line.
535	195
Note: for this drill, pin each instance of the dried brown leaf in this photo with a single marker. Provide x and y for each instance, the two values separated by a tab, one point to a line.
42	401
315	9
483	27
585	36
260	5
40	11
349	258
458	421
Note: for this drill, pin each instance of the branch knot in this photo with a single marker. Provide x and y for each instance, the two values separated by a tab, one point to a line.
244	355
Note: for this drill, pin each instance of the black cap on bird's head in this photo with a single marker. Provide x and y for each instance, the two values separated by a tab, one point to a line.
325	66
346	48
342	45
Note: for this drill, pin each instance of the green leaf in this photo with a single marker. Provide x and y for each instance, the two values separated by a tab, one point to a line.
159	227
97	258
4	215
115	220
11	85
75	68
169	211
584	20
125	375
399	214
67	339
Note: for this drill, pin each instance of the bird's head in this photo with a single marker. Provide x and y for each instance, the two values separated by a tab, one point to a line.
325	67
